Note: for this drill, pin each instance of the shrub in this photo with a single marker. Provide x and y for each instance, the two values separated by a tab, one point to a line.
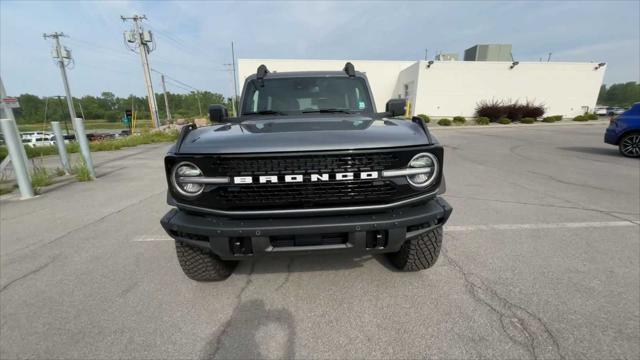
496	109
81	171
554	118
531	110
39	178
580	118
493	109
514	111
504	121
590	116
527	120
483	121
444	122
459	120
424	118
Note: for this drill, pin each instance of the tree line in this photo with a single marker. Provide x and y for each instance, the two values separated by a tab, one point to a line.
108	106
623	94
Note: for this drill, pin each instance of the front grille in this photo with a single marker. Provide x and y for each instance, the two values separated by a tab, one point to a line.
302	164
306	194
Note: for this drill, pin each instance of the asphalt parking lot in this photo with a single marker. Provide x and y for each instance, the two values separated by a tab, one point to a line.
541	260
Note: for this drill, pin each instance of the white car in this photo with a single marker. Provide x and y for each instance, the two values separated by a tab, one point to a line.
600	110
38	140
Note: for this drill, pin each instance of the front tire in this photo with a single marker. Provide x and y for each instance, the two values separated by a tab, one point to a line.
201	265
630	145
419	252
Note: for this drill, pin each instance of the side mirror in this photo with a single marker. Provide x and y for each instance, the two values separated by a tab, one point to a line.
396	107
218	113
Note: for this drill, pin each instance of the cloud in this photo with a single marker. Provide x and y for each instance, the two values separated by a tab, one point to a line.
193	37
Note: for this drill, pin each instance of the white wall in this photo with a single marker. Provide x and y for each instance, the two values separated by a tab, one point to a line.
382	75
450	88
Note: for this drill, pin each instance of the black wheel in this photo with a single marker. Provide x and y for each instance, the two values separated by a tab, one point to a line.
419	252
630	145
201	265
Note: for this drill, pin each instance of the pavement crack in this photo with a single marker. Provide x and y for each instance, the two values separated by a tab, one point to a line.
227	324
566	182
577	205
29	273
286	278
521	326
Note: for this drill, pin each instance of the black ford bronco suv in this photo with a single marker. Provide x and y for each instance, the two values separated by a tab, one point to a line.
307	167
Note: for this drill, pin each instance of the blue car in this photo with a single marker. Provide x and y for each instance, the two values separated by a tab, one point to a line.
624	131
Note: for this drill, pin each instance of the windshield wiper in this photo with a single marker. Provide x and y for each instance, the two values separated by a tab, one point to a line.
265	112
344	111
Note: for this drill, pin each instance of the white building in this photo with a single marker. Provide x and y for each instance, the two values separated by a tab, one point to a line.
451	88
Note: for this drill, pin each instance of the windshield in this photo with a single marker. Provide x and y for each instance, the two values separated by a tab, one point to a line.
307	95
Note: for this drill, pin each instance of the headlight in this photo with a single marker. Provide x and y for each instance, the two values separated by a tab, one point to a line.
422	170
180	177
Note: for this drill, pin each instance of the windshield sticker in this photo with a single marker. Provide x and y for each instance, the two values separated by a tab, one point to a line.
360	104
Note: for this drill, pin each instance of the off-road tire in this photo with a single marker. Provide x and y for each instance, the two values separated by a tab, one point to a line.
629	145
201	265
419	252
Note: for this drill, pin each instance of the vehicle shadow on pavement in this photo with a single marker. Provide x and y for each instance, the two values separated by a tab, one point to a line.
613	151
254	332
308	263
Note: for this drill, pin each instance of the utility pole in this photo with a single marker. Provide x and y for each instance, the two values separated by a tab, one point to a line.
60	54
426	54
235	78
166	100
233	102
142	39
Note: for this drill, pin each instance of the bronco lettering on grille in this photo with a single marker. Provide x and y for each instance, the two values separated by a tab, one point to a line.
298	178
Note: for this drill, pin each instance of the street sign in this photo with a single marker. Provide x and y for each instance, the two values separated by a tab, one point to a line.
11	103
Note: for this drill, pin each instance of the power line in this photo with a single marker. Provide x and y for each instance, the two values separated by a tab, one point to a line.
176	80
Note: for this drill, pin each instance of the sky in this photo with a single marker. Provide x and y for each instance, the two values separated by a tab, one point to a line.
193	39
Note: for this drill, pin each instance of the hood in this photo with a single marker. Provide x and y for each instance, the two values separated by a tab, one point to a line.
308	133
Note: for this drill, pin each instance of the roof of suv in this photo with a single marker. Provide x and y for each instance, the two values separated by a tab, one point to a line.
289	74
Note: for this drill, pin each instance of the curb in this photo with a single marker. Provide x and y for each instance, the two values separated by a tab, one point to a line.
541	124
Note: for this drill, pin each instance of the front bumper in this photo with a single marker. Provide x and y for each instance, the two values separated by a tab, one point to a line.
235	239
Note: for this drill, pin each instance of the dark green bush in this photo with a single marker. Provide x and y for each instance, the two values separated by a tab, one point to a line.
483	121
444	122
527	120
580	118
459	120
590	116
504	121
550	119
424	118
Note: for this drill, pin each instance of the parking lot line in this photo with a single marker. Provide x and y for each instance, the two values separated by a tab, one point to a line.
565	225
469	228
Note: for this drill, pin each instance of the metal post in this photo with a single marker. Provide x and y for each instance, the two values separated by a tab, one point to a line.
81	138
14	144
62	150
9	114
166	100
